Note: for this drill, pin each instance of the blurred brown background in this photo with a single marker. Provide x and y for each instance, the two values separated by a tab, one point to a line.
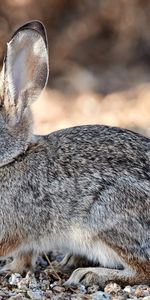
99	60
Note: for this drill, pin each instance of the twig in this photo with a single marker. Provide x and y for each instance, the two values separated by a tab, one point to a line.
51	266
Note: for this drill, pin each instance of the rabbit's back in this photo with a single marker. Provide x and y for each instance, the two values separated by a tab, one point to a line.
108	150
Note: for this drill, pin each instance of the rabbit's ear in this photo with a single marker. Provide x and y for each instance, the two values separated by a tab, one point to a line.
25	70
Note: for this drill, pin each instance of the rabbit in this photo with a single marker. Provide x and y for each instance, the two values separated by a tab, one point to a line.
83	190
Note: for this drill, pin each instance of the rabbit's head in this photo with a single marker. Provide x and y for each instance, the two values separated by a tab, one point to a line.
23	76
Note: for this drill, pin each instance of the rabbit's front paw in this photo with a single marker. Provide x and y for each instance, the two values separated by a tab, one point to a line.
20	263
6	269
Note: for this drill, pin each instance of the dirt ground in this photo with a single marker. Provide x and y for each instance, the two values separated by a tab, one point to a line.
48	283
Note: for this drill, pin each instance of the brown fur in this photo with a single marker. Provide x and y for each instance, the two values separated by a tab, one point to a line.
22	263
9	246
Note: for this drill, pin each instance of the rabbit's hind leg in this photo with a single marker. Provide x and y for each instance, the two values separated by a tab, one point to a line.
102	276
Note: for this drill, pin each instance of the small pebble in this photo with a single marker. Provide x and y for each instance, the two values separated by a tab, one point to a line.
100	296
58	289
35	295
28	282
82	288
53	284
129	289
44	284
15	278
48	294
140	291
112	288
